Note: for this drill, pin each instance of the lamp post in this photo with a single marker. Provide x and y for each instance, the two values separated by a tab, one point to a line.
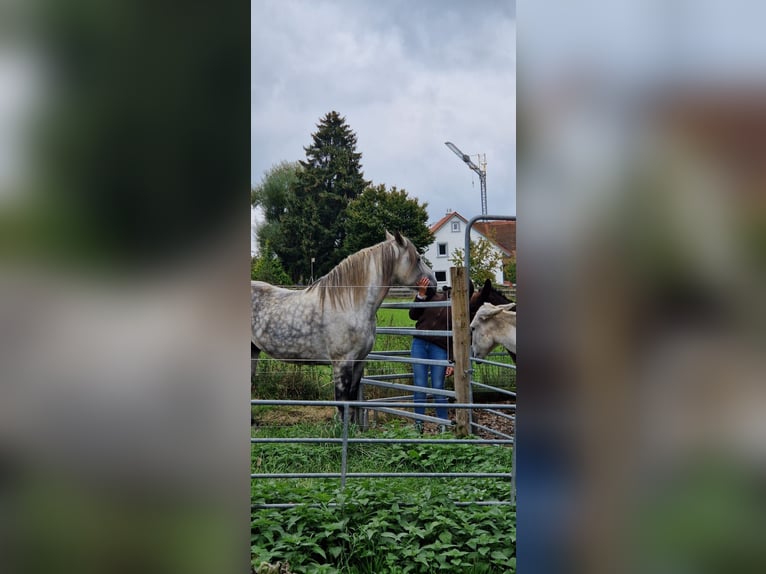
482	171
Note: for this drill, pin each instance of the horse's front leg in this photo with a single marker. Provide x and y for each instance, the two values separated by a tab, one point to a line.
347	383
357	371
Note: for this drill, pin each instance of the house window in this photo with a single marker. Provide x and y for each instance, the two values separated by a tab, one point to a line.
441	250
456	227
441	276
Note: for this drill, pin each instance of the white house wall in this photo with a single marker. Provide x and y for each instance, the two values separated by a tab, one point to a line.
453	240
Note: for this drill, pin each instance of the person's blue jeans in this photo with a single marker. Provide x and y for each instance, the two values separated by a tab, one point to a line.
422	349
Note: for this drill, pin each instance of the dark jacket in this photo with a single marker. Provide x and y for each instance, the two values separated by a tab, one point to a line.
434	319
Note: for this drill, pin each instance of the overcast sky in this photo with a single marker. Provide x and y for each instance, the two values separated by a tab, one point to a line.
407	76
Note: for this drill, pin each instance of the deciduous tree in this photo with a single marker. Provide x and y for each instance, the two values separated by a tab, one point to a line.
379	209
266	267
483	258
272	196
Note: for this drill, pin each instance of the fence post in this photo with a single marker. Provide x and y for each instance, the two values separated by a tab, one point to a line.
461	346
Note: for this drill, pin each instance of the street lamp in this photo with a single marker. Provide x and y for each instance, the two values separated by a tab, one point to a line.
482	171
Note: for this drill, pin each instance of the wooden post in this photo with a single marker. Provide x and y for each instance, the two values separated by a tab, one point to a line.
461	340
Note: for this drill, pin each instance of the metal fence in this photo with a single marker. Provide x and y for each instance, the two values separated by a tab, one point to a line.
402	356
345	440
396	406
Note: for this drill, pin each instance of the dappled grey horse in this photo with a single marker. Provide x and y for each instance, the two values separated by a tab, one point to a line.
333	320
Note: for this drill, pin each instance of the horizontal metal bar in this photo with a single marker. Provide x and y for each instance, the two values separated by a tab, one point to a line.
410	388
372	404
414	304
492	431
495	389
389	376
411	331
310	440
412	415
384	475
494	363
396	399
405	353
379	357
503	415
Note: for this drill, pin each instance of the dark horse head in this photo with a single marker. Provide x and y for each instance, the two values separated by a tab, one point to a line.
487	294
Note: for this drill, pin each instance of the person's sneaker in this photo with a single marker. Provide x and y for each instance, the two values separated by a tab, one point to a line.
419	427
442	429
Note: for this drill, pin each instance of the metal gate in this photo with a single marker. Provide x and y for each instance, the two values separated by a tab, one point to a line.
396	405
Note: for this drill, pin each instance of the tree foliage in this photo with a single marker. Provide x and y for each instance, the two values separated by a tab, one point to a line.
272	196
379	209
323	208
483	258
266	267
510	270
272	193
314	221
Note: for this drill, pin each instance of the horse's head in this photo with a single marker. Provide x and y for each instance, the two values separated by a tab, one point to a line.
492	326
409	266
487	294
478	298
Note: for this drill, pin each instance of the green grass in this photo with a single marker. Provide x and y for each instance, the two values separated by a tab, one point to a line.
395	317
281	457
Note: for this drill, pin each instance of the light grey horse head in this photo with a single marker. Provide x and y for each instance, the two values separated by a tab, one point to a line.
409	266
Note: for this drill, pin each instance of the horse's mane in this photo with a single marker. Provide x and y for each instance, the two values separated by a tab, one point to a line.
345	285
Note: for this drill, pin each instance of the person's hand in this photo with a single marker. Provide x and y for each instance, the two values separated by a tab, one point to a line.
423	286
449	372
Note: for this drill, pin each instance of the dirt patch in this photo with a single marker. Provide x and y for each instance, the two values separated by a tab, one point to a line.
493	421
287	416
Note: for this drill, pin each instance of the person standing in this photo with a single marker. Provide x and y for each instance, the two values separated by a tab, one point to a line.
431	347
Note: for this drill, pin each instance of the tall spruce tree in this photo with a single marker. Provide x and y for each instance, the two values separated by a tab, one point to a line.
314	224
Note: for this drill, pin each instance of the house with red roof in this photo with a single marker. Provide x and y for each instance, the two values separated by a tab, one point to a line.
449	235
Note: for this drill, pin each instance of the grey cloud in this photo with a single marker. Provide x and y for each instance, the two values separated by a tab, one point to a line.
407	76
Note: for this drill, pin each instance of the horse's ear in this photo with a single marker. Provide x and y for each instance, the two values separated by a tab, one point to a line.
487	289
399	239
490	310
389	237
470	288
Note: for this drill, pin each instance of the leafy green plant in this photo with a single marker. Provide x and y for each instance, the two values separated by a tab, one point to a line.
382	525
371	528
